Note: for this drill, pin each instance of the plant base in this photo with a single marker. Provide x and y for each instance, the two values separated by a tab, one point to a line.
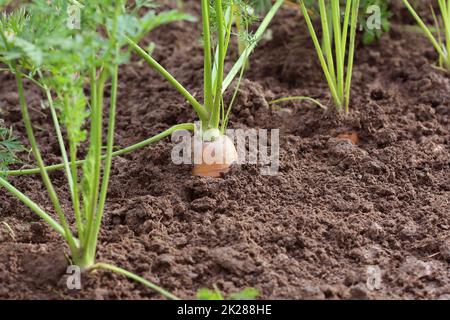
213	158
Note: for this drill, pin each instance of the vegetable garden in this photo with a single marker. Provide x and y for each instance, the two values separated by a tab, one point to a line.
92	91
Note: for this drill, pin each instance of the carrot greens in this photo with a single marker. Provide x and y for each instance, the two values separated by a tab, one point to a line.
37	45
337	48
9	147
441	42
217	18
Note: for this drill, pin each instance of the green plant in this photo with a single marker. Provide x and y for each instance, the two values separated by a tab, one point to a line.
368	14
336	65
37	44
442	25
217	20
212	114
243	18
9	147
208	294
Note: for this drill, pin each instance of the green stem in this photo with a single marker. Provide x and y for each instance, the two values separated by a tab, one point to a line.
97	145
327	40
76	195
70	176
235	70
202	113
208	83
34	207
321	56
135	277
299	98
37	154
348	8
108	162
92	137
446	17
336	12
426	30
59	137
139	145
351	54
95	230
215	114
438	30
229	22
226	115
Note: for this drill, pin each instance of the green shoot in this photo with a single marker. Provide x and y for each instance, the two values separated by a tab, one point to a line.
136	278
299	98
208	294
213	114
441	43
337	62
36	45
120	152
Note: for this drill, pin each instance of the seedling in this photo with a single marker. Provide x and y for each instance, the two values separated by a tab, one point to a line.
217	17
335	30
9	147
373	18
442	25
213	113
36	45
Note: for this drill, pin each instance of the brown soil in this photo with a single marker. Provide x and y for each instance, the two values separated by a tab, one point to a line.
334	209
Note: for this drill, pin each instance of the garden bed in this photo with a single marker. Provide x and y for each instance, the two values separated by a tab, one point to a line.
334	209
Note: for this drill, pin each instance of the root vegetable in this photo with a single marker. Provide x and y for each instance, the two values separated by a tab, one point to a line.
211	158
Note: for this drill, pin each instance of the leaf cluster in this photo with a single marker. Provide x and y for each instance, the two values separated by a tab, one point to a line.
9	147
208	294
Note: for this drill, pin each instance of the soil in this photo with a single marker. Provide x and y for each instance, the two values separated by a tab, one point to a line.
311	232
